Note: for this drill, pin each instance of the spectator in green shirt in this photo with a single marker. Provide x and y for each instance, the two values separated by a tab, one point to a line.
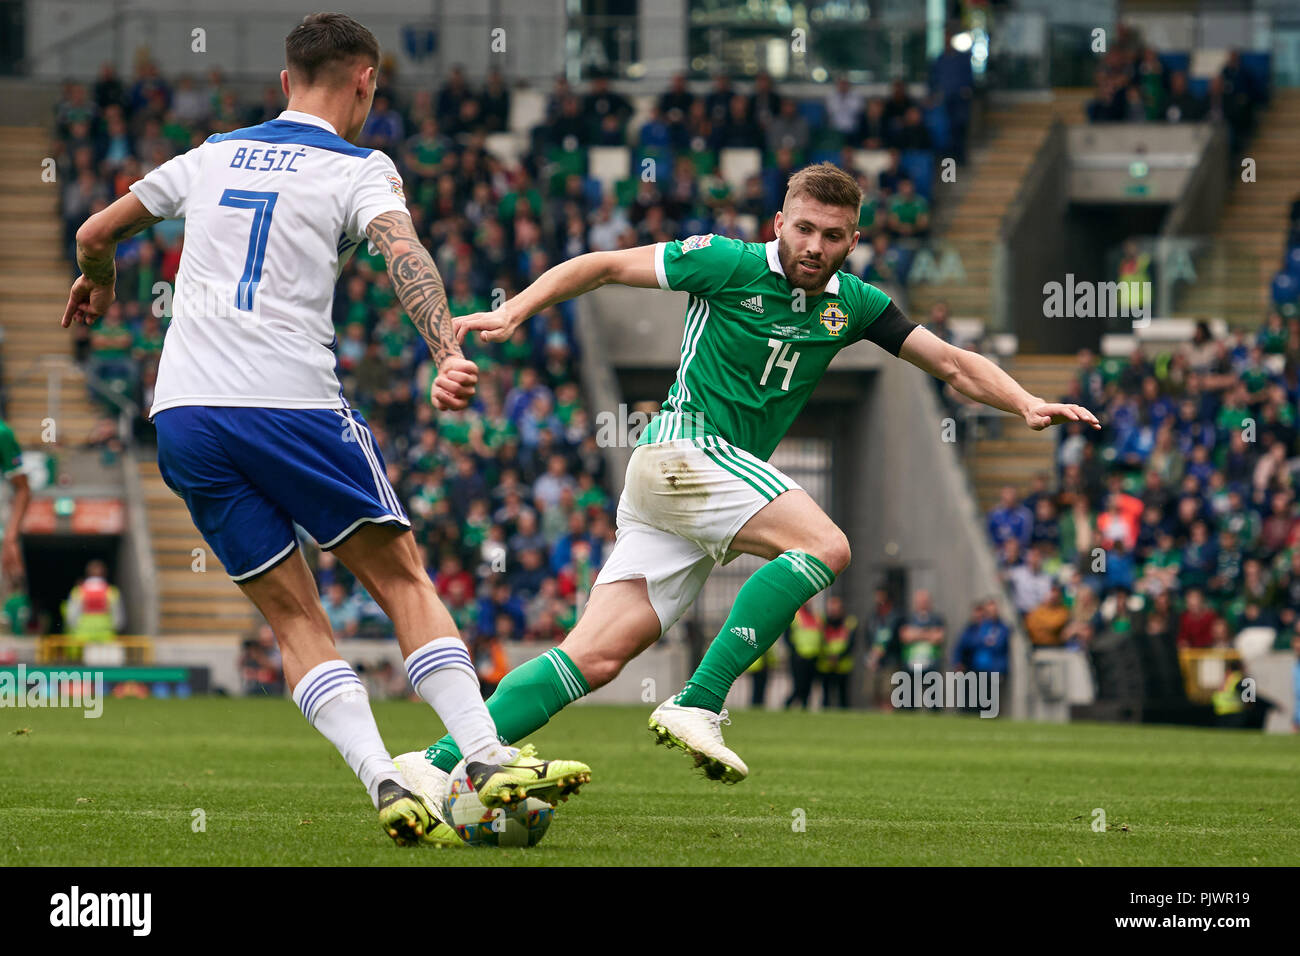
521	191
590	495
110	346
423	156
909	213
871	217
1235	411
148	344
922	634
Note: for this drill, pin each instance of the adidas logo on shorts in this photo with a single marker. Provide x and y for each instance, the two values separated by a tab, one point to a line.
754	305
747	635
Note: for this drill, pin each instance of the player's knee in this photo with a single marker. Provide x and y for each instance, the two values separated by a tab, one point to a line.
600	671
835	551
598	664
402	584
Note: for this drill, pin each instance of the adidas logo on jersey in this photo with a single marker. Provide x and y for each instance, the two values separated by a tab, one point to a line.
754	305
747	635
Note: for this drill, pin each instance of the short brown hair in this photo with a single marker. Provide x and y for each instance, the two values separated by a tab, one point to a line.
323	42
826	183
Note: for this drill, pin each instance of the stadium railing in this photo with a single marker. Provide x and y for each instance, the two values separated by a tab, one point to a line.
1204	669
122	649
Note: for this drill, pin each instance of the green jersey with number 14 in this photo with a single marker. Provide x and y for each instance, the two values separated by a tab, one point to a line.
755	346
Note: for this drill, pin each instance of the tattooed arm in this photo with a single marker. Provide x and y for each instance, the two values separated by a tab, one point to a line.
97	241
419	288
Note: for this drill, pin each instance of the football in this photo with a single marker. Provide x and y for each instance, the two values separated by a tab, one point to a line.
523	825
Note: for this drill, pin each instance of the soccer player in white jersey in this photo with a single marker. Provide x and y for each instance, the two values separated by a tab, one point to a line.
253	429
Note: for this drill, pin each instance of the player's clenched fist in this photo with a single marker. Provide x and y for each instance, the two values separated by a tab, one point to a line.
454	385
87	302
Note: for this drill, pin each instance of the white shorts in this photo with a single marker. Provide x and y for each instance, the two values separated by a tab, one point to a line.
683	502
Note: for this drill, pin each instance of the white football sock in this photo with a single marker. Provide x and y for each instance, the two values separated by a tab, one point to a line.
335	701
441	673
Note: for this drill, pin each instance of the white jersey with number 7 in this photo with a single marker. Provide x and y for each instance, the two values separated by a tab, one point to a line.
272	213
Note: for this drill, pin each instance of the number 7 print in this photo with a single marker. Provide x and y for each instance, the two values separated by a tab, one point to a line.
263	205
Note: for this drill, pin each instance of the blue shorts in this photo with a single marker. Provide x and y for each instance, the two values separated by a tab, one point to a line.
248	474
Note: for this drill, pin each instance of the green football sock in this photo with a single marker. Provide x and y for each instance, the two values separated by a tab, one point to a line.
525	700
764	608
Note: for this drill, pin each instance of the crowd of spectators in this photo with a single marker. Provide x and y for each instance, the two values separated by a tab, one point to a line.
1179	519
1136	83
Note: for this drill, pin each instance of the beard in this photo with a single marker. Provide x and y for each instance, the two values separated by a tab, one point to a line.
800	279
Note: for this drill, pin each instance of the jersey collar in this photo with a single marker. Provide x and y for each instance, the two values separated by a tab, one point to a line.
310	119
774	263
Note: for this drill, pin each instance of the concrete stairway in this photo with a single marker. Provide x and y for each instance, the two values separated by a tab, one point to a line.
203	602
989	183
34	282
1233	279
42	381
1019	453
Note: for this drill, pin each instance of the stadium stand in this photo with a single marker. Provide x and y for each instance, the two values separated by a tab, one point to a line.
1154	529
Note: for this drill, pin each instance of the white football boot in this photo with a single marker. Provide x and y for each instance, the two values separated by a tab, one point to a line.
423	777
699	733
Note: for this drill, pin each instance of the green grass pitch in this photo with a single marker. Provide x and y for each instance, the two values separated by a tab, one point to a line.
871	788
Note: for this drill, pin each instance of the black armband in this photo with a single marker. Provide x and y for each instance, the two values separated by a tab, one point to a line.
890	329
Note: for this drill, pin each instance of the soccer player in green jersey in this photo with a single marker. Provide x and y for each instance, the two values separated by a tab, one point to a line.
763	323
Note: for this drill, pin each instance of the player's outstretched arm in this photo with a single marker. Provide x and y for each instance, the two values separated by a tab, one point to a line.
568	280
420	290
97	241
976	377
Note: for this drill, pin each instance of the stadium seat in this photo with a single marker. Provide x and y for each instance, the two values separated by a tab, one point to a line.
625	190
663	159
527	109
871	161
936	122
1258	66
608	164
1176	62
737	165
1286	289
918	164
507	147
902	260
1207	63
642	108
654	136
1291	263
826	140
564	163
706	162
857	260
814	111
966	330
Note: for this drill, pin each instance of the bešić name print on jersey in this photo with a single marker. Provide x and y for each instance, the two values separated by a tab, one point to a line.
272	213
755	346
